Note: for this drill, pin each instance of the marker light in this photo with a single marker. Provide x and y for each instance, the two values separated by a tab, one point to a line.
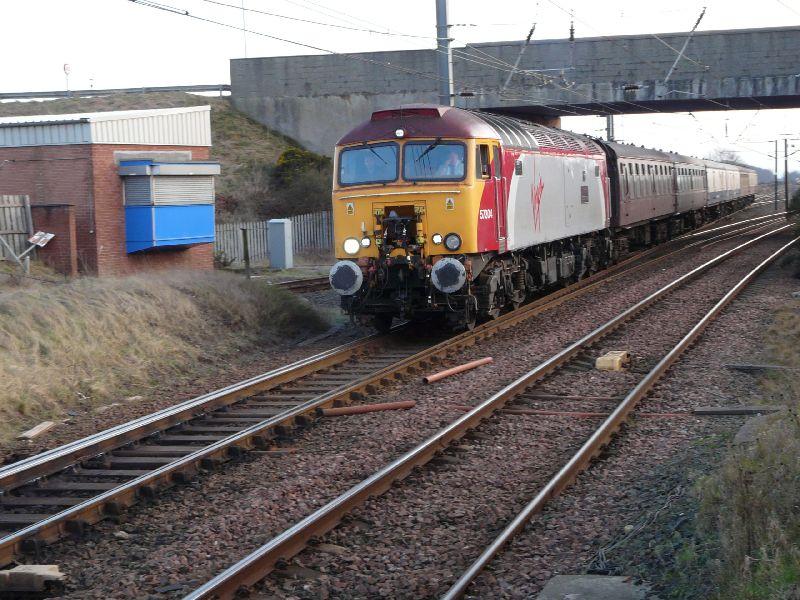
452	242
365	242
436	238
399	133
351	246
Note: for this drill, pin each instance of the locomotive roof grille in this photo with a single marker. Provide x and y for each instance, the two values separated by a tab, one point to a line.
521	134
399	113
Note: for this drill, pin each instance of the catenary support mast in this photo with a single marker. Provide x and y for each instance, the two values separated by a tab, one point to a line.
444	57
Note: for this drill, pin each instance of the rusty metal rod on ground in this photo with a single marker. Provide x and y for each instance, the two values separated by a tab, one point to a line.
569	413
456	370
582	414
367	408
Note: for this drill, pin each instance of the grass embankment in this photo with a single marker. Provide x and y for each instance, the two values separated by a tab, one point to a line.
750	508
93	341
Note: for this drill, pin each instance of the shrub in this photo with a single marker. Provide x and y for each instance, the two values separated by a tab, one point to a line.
254	190
295	161
309	191
299	183
794	200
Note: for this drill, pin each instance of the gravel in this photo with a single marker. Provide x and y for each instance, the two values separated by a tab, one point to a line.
654	459
422	534
195	531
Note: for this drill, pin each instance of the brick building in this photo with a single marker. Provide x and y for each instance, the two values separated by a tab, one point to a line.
76	168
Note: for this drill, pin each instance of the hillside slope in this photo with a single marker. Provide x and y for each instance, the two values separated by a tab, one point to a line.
237	139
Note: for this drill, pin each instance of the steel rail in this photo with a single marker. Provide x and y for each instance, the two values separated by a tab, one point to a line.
602	436
97	507
51	461
290	542
110	502
729	235
703	231
305	285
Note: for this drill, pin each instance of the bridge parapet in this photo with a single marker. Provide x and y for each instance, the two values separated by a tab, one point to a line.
315	99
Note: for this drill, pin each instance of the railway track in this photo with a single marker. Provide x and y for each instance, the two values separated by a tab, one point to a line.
64	490
554	371
302	286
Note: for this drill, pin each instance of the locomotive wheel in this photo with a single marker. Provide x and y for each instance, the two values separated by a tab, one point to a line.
383	322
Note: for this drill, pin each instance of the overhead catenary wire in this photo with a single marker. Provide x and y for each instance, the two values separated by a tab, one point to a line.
334	12
486	60
313	22
185	13
782	3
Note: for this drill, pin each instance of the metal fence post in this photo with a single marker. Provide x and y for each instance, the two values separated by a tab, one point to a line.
246	253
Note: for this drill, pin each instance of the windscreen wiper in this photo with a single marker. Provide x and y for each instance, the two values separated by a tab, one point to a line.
371	149
428	149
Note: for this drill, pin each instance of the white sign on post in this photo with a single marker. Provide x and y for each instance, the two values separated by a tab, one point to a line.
40	238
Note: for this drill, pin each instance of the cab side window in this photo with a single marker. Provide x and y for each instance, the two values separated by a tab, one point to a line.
482	162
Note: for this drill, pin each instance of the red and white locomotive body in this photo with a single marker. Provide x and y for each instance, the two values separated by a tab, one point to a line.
440	211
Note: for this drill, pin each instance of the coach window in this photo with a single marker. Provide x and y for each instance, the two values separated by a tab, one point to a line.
623	178
625	168
632	181
482	162
642	182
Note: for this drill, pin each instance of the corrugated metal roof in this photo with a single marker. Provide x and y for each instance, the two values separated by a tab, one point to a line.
185	126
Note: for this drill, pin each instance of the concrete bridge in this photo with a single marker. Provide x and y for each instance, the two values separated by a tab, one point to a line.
315	99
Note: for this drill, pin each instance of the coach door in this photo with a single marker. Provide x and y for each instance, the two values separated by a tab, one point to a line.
499	198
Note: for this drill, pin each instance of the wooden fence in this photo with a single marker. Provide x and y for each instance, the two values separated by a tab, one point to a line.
228	241
311	233
16	224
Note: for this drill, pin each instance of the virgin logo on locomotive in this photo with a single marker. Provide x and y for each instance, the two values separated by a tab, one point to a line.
536	198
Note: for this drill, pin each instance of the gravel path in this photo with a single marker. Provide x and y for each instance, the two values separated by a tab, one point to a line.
195	531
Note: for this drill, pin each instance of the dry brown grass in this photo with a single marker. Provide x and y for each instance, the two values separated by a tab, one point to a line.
92	341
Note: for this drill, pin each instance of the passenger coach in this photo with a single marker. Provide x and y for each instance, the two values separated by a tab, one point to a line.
456	214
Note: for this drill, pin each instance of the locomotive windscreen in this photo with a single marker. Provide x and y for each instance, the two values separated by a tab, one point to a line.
373	163
433	161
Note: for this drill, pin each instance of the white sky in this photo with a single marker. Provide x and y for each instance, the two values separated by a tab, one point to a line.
116	43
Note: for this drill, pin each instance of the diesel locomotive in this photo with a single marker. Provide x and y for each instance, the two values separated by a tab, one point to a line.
451	214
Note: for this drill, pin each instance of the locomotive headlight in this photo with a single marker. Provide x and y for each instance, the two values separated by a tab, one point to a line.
436	238
365	242
351	246
452	241
399	133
